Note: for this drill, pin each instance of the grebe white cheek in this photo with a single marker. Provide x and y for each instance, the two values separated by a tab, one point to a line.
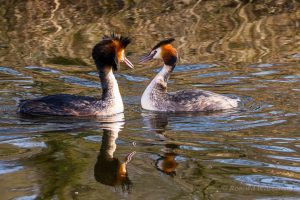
157	55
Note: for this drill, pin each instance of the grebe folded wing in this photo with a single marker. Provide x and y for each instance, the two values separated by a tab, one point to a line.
60	104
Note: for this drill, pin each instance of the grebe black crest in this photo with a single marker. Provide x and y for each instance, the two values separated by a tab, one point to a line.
107	54
157	98
110	52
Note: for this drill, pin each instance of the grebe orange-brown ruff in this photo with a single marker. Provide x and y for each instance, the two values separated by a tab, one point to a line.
107	55
156	97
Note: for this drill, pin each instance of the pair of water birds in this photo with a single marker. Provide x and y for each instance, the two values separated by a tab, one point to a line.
108	54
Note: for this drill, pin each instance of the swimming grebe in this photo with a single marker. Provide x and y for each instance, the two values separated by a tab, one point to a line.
156	97
107	55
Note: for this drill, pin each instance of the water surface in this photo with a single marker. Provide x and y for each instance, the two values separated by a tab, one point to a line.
244	50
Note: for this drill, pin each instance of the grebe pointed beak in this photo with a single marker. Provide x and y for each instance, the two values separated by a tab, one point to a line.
128	63
147	58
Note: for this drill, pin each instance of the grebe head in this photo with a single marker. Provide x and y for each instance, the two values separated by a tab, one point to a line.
163	50
110	51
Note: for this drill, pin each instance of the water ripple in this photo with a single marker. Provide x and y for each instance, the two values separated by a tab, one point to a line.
185	147
80	81
265	65
43	69
294	159
28	197
272	182
9	71
93	138
25	143
250	163
214	74
134	78
6	167
264	73
185	68
273	148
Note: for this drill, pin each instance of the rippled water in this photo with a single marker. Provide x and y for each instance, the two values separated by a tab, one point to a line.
245	50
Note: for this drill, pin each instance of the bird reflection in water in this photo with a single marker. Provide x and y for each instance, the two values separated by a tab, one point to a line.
158	122
167	163
109	170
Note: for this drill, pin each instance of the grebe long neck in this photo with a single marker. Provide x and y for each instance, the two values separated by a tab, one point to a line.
111	100
161	79
166	71
157	88
110	88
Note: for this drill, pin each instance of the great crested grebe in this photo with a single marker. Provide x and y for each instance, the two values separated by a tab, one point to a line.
107	55
156	97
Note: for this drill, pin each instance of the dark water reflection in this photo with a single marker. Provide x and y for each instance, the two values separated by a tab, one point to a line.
108	169
244	49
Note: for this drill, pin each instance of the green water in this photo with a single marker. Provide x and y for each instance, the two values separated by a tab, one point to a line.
245	49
